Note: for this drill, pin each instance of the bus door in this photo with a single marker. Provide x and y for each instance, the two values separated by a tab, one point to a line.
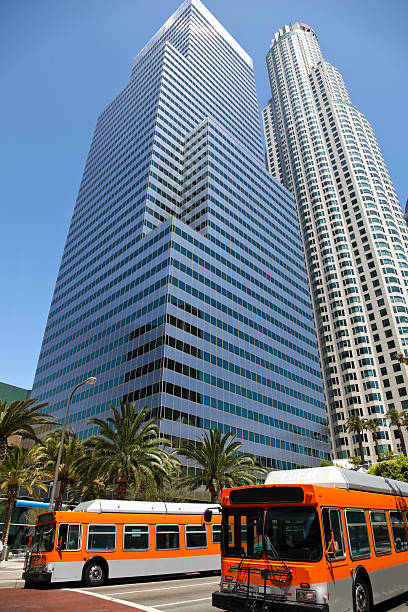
339	582
69	543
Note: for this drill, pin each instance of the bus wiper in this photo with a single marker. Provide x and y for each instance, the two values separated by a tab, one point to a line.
243	556
275	552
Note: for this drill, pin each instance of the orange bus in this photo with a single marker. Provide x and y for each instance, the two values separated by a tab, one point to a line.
103	539
316	539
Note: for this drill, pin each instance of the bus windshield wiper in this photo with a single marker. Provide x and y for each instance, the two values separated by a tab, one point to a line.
275	552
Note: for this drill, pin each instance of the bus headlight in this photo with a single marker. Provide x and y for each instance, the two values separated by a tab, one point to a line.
306	595
227	584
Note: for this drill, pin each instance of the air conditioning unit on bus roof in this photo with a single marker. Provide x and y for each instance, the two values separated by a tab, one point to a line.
142	507
339	478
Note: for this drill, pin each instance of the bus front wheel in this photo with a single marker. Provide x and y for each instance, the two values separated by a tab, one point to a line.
361	596
95	573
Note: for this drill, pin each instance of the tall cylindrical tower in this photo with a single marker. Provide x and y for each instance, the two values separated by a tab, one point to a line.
324	150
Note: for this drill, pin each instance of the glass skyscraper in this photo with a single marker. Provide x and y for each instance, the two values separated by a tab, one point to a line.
324	150
182	285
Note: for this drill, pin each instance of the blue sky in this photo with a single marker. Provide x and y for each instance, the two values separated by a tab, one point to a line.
63	61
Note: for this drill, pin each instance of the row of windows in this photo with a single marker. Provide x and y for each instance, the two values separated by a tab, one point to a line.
243	434
357	531
134	537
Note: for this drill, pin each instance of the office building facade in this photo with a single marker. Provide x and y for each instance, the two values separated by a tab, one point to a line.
323	149
182	285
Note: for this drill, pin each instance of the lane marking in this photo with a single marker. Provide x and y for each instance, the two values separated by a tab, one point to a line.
184	586
177	603
130	604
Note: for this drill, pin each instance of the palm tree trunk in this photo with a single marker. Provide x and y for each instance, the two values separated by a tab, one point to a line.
402	441
213	493
377	448
3	449
11	499
121	489
58	501
360	445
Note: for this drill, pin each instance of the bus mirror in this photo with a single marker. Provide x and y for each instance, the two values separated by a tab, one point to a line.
207	516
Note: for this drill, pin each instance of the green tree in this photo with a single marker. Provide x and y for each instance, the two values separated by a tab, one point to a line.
45	453
399	420
395	468
355	424
127	449
15	472
221	461
87	487
20	417
401	358
372	426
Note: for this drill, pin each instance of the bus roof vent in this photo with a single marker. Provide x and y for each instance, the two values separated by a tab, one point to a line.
338	478
141	507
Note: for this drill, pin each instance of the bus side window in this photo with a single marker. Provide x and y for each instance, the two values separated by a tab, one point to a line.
216	534
101	537
381	535
74	537
135	537
358	533
196	536
167	537
398	531
62	536
333	532
69	536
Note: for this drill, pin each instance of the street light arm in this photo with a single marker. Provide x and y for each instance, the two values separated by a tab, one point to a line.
89	381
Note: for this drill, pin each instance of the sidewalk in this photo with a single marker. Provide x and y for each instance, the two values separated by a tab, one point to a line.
10	574
31	600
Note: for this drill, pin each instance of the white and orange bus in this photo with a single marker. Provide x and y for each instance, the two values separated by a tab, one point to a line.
103	539
313	540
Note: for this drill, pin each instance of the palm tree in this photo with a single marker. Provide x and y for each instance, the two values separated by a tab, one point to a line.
400	357
20	417
127	449
221	462
45	453
357	425
400	420
373	426
88	487
15	473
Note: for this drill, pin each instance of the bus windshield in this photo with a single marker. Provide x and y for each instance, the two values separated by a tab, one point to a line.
44	536
293	534
242	533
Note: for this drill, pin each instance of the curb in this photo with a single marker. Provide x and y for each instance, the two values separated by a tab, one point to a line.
12	584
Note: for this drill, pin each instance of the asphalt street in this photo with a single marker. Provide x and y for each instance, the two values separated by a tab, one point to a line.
192	592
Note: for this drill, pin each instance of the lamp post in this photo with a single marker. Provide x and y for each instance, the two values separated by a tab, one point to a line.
89	381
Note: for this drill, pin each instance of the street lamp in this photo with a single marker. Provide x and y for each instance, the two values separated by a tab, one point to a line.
89	381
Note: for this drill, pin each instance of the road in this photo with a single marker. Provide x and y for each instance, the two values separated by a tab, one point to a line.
192	592
180	594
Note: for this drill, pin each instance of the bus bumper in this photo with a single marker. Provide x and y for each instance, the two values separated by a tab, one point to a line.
40	577
229	601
